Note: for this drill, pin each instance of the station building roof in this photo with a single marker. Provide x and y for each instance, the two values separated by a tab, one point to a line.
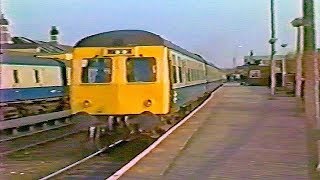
20	43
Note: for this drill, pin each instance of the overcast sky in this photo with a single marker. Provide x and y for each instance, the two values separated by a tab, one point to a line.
211	28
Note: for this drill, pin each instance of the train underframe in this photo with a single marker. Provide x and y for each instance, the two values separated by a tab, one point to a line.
147	123
13	110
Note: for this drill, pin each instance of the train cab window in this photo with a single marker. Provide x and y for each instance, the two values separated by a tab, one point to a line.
96	70
141	69
36	75
15	76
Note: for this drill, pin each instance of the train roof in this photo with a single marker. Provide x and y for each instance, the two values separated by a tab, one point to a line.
26	59
120	38
212	65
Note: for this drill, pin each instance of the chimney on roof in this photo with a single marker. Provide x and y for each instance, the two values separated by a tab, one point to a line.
54	34
5	37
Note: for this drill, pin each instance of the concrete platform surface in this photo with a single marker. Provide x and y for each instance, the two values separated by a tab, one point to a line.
241	133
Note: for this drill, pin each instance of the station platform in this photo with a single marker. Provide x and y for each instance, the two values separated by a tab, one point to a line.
241	133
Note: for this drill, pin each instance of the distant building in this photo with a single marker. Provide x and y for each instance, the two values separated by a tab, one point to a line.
261	60
41	48
23	44
5	36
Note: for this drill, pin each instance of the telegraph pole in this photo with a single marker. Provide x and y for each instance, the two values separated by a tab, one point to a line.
272	41
311	75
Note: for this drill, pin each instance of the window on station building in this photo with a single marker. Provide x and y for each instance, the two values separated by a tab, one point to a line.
36	75
96	70
15	76
141	70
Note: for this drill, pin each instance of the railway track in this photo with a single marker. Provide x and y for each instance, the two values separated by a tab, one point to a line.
17	143
105	162
78	156
109	162
78	163
121	171
46	157
29	141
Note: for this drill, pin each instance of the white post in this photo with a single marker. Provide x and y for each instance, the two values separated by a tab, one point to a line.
299	63
316	87
299	74
272	41
273	76
284	72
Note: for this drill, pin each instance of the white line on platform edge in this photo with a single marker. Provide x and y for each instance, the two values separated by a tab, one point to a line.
125	168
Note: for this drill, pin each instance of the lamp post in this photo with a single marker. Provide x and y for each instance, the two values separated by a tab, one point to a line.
284	68
272	41
297	23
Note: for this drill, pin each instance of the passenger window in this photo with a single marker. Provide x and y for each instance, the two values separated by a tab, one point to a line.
173	57
174	71
15	76
36	75
141	70
96	70
189	75
180	74
197	74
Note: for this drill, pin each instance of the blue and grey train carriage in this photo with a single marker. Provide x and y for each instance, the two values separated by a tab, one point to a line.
30	85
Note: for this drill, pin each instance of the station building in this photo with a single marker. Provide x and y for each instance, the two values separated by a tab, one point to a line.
46	49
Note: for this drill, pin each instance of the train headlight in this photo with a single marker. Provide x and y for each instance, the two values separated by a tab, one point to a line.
117	52
147	103
124	51
86	103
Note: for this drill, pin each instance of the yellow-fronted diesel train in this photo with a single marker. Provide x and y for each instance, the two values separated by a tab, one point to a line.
131	72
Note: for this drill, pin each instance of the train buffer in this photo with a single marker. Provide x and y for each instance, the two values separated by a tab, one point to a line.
241	133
